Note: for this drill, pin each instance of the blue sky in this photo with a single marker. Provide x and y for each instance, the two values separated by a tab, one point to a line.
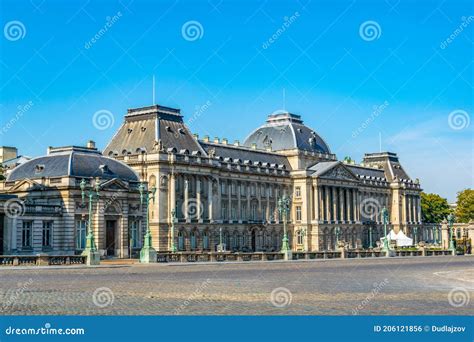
332	71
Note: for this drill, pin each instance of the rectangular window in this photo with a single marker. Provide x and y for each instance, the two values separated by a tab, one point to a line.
253	191
223	188
234	212
81	226
298	213
243	190
254	212
298	191
234	189
26	234
224	212
243	215
134	233
47	233
264	212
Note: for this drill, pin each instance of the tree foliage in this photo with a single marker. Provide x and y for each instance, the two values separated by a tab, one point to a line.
465	206
434	208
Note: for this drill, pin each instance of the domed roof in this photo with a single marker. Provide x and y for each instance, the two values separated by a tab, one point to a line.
286	131
73	161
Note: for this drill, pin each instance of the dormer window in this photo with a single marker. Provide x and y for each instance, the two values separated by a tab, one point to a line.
130	131
180	130
104	168
143	129
39	168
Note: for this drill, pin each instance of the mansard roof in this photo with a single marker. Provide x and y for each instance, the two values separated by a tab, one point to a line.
145	127
73	161
244	153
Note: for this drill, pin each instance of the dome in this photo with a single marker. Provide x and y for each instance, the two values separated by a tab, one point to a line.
81	162
286	131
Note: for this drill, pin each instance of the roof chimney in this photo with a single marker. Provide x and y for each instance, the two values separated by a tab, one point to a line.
254	146
91	144
216	140
236	143
225	141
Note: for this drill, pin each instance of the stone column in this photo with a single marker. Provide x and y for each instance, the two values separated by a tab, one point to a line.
209	200
239	201
316	202
328	203
348	205
172	193
198	199
340	194
218	211
334	203
229	200
267	214
186	199
248	185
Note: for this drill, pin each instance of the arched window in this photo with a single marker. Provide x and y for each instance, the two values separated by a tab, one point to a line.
193	241
181	240
205	240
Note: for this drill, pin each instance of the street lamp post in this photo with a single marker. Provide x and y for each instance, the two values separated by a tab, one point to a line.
173	219
221	247
337	232
415	234
386	247
450	219
147	253
284	209
90	252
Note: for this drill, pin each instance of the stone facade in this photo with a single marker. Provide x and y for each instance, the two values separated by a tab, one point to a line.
44	210
217	187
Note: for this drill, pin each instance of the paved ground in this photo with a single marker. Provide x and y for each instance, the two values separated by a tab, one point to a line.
395	286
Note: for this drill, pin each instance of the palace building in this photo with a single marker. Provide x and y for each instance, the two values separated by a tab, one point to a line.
212	188
220	187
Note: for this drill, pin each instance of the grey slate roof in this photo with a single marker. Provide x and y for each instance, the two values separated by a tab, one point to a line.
366	171
286	131
75	162
323	167
143	127
243	153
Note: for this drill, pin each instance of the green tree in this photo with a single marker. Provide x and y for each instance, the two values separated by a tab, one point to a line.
465	206
434	208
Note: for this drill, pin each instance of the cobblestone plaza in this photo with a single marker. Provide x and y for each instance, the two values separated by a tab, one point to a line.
395	286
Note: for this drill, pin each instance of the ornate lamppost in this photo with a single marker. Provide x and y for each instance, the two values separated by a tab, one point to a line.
450	219
284	209
386	246
90	252
415	234
337	232
221	247
173	219
148	253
